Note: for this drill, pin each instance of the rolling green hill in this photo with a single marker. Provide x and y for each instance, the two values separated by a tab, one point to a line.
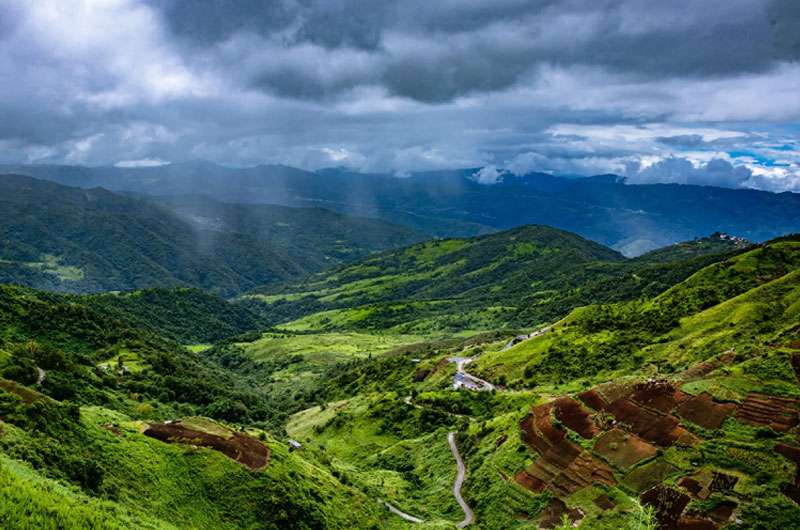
317	238
520	278
73	452
73	240
185	315
674	402
685	402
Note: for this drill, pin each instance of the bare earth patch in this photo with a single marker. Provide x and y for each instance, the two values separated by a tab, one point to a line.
702	410
239	447
768	411
623	449
570	412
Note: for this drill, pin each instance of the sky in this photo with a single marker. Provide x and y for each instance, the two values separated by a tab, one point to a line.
688	91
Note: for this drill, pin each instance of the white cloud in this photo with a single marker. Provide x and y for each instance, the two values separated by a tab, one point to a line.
142	162
489	175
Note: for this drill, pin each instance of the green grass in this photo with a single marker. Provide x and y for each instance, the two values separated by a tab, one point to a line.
207	425
31	500
197	348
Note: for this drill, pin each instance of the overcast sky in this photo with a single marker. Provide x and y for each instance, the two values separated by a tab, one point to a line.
700	91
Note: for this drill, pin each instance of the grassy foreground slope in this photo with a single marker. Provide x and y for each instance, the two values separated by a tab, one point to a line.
72	442
518	278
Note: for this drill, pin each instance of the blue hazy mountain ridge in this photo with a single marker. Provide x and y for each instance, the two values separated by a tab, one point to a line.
630	218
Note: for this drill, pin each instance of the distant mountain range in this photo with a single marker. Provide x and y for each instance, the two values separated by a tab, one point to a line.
629	218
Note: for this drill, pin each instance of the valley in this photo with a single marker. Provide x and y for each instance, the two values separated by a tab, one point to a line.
524	379
399	265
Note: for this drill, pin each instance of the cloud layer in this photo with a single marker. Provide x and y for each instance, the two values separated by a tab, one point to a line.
685	91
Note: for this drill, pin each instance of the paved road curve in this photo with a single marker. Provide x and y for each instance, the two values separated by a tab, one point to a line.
469	517
404	515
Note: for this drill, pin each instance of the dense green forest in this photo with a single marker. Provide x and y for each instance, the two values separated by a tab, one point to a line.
74	240
317	238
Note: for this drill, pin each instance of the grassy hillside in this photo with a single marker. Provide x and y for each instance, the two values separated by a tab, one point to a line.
520	278
685	403
72	442
676	407
731	296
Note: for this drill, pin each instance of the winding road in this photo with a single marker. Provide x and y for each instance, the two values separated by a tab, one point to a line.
404	515
469	517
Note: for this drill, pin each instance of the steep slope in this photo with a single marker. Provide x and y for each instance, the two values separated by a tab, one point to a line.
69	239
315	237
75	240
735	303
520	277
677	411
80	444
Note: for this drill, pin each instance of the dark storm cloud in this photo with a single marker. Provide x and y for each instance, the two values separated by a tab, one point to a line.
436	51
564	86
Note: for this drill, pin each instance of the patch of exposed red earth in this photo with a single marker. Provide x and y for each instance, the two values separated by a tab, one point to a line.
570	412
703	369
768	411
791	453
421	374
662	430
241	448
585	469
722	513
552	515
604	502
691	485
702	410
668	505
623	449
112	429
539	434
792	491
548	466
658	394
593	400
561	465
723	482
